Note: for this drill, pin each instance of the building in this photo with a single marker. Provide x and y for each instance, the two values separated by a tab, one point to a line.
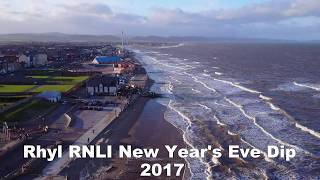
106	60
9	63
39	60
52	96
123	67
25	60
103	85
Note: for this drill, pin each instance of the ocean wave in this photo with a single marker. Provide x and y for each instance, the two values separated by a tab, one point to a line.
300	126
171	46
173	58
166	64
259	126
315	87
164	54
248	116
179	82
196	91
206	75
310	131
316	96
152	52
265	97
273	107
198	81
289	87
194	165
204	106
238	86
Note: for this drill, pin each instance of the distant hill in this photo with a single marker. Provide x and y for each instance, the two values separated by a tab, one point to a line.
202	39
57	37
61	37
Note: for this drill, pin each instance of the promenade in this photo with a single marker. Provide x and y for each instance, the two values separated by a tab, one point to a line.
55	167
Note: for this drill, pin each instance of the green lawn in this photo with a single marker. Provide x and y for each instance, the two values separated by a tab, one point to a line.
25	111
14	88
39	77
63	84
61	88
71	80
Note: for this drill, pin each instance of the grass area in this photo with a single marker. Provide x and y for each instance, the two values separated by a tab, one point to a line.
61	88
67	79
70	79
41	80
26	111
61	79
39	77
3	104
7	100
10	99
14	88
43	72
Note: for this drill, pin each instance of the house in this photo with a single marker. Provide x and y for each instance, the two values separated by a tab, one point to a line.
123	67
39	60
9	63
106	60
52	96
103	85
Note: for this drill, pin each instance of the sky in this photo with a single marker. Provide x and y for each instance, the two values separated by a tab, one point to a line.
270	19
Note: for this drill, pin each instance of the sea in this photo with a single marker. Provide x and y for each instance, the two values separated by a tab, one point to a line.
253	95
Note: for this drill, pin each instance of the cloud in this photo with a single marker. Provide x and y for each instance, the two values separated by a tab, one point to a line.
273	18
274	10
87	9
172	16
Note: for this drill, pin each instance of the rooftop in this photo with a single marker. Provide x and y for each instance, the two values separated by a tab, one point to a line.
106	59
105	80
49	94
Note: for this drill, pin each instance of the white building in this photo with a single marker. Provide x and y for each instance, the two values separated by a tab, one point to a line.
39	60
25	59
103	85
52	96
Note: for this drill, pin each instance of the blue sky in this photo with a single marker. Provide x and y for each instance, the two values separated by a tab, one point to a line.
280	19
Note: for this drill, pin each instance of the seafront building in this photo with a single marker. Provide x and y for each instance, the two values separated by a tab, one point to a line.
52	96
103	85
106	60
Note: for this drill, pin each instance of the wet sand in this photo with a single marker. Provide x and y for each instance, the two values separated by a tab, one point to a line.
141	125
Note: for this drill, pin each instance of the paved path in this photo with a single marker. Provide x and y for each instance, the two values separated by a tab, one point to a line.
55	167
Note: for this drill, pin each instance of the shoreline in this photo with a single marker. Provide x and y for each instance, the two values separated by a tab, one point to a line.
138	126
